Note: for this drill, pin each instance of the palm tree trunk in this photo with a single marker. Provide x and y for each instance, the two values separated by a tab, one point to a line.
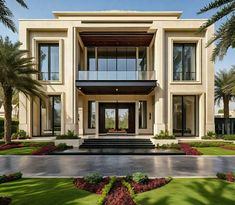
226	106
8	111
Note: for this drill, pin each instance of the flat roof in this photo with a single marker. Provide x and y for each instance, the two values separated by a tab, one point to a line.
117	13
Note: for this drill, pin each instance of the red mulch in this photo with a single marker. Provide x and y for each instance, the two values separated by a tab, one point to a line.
10	146
45	150
5	200
230	177
94	188
188	150
119	195
149	185
228	148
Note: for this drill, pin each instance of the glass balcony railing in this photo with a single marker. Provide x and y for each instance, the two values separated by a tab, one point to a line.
116	75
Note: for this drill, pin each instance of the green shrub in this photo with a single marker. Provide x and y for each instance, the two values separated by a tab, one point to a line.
10	177
164	135
208	144
70	135
106	190
63	146
221	175
168	146
139	177
128	177
21	134
94	178
211	135
228	137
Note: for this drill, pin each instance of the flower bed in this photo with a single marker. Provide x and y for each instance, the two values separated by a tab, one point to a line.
119	195
5	200
10	177
81	183
229	176
45	149
10	146
149	185
189	150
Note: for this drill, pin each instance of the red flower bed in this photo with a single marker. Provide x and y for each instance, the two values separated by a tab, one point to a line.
45	150
10	146
189	150
119	195
5	200
228	148
230	177
94	188
149	185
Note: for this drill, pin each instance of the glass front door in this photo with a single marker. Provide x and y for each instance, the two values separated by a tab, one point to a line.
117	117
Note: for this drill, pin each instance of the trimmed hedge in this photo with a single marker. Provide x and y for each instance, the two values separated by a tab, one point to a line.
14	127
10	177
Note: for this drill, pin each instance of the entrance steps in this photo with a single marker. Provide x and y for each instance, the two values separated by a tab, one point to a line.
118	143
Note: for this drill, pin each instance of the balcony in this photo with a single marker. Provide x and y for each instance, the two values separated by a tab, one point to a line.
116	82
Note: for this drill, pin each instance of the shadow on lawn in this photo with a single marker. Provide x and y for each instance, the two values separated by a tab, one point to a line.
211	193
46	192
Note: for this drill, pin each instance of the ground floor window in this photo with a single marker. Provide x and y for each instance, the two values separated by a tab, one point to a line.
91	114
142	114
185	115
50	116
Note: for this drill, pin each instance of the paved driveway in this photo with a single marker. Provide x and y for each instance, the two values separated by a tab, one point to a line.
68	166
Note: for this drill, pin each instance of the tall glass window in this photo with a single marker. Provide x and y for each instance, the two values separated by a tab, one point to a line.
142	59
91	114
185	115
184	61
49	61
142	114
91	59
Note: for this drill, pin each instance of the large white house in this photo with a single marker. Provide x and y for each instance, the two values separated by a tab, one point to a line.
120	73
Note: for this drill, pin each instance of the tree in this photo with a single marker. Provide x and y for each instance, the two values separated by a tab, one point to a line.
225	34
6	14
222	79
16	75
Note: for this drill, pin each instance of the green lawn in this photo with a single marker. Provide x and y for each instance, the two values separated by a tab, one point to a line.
46	192
18	151
191	192
215	151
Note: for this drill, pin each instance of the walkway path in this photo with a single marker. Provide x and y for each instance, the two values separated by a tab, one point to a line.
68	166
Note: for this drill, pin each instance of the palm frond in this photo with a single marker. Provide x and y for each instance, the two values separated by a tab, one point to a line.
213	5
22	3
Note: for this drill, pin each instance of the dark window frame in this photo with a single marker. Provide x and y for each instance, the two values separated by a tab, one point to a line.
183	61
49	45
196	110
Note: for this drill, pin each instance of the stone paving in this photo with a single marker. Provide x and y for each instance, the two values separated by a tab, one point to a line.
69	166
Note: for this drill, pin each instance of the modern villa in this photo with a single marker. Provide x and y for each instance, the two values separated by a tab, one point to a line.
122	73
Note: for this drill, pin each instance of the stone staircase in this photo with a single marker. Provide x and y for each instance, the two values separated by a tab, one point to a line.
120	143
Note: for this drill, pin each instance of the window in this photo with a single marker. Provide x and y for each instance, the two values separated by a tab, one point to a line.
142	114
185	115
184	61
91	114
117	59
49	61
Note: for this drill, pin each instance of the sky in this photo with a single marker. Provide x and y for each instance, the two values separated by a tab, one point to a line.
42	9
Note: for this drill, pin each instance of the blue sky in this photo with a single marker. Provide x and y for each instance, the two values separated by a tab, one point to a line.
43	9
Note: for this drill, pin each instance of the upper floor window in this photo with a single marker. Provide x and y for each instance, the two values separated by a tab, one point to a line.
49	61
184	61
117	58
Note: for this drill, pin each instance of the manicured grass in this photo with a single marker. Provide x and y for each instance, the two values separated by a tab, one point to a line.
18	151
190	192
46	192
215	151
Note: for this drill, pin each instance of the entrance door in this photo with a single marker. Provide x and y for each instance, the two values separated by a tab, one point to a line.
117	117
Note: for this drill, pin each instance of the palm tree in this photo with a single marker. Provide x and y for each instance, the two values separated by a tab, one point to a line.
222	80
6	14
225	34
16	75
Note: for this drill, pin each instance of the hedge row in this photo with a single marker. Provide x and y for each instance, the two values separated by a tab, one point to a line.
14	127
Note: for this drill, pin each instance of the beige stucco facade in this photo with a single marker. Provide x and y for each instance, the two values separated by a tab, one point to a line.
167	28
